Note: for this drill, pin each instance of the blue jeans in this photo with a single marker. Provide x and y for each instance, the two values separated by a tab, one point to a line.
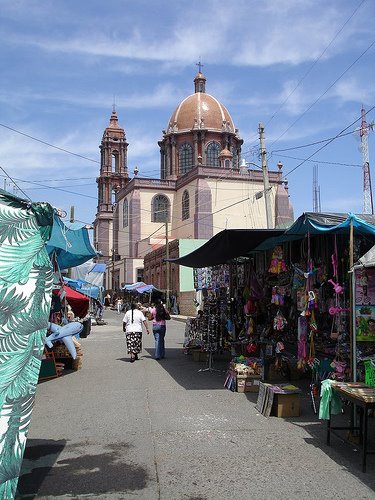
159	335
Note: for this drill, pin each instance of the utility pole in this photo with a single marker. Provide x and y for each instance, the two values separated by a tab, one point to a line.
316	191
266	182
368	207
166	263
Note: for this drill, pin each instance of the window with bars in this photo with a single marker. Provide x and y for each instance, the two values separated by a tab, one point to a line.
160	208
213	151
185	158
125	213
185	205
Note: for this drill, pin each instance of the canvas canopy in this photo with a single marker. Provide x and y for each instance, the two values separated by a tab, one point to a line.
234	243
84	287
141	287
227	245
70	244
77	301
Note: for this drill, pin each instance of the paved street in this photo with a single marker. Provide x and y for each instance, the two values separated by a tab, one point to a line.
163	430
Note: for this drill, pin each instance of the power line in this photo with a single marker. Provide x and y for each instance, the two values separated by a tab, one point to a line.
314	143
48	143
326	144
313	65
323	162
325	92
9	177
316	61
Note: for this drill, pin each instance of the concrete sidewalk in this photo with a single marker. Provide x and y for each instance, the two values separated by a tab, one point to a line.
163	430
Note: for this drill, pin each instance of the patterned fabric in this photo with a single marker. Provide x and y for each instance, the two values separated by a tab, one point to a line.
134	342
25	297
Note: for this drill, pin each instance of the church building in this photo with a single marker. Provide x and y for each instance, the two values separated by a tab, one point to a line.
204	187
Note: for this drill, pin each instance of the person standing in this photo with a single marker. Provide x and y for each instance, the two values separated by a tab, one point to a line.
159	317
132	326
107	300
119	305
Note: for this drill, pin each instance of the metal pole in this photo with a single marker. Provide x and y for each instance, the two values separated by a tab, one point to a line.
71	220
166	265
266	183
351	301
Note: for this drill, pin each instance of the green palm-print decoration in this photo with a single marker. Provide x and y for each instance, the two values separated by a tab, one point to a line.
25	296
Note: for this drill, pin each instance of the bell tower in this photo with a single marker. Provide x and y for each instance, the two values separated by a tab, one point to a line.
112	178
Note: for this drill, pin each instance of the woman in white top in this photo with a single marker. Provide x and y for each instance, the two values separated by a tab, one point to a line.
132	326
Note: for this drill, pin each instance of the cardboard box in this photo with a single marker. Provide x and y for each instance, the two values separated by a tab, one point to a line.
199	355
248	384
286	405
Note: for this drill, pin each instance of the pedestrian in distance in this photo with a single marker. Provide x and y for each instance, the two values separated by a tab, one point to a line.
132	324
119	305
107	300
159	316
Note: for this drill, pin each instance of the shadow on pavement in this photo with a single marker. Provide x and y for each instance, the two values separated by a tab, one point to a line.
185	370
347	455
43	475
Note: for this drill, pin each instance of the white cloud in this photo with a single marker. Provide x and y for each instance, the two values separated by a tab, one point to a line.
287	32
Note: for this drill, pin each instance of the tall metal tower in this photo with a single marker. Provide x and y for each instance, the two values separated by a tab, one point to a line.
316	191
368	206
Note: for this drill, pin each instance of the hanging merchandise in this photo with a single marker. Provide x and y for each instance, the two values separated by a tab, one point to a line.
279	322
277	265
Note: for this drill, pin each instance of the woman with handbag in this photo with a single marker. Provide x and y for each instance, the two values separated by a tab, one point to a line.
159	317
132	326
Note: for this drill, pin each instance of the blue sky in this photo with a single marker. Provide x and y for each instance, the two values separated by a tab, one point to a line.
302	67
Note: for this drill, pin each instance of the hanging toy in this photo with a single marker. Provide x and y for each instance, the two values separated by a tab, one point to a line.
279	322
301	353
276	297
249	307
277	265
337	288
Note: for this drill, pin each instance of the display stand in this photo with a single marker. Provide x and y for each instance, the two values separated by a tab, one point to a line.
210	364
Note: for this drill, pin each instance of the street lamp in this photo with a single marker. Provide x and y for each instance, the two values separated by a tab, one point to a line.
266	189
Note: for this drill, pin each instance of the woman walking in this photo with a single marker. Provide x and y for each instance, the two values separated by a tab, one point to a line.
132	326
159	317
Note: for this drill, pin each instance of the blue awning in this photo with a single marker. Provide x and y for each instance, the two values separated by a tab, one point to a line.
98	268
71	246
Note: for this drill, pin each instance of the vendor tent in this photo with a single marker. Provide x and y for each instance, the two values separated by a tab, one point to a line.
84	287
141	287
70	244
234	243
77	301
225	246
90	272
319	223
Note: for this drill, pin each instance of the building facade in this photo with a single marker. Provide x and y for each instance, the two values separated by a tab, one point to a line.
203	188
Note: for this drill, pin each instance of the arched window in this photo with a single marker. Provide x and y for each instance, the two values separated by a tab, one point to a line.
185	158
185	205
160	208
125	213
213	151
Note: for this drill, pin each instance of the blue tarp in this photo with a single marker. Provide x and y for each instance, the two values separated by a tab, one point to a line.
70	244
141	287
129	288
98	268
84	287
322	223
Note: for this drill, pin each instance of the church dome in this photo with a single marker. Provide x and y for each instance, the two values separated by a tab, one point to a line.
200	111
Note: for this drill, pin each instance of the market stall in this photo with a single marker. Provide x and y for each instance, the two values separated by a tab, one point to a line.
283	293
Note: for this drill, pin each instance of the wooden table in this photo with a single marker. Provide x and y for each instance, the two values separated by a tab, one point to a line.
363	396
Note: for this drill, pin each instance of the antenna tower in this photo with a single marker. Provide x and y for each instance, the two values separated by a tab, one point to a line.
316	191
368	206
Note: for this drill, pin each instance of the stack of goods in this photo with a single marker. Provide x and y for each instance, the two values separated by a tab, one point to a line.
62	355
244	374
